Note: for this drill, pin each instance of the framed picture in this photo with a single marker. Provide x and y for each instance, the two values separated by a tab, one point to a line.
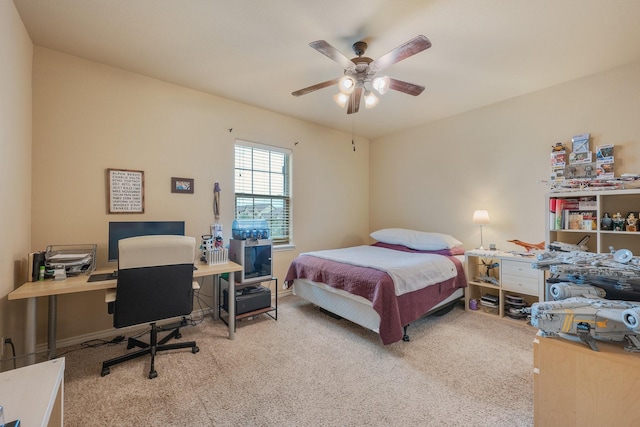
125	191
182	185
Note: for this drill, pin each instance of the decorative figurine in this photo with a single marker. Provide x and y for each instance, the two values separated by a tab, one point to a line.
606	223
632	222
618	222
588	170
528	246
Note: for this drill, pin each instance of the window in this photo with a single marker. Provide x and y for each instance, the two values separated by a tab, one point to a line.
263	187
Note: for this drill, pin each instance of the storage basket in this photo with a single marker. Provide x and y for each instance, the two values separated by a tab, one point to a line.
76	259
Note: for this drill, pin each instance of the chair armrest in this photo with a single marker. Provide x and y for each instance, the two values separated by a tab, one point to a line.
195	285
110	295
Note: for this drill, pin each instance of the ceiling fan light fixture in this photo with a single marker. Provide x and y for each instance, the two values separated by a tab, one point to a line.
361	70
346	84
381	84
341	99
370	99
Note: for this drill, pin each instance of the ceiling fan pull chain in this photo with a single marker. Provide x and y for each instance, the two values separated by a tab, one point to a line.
353	132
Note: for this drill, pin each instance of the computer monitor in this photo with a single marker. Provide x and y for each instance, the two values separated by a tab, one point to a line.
124	229
254	256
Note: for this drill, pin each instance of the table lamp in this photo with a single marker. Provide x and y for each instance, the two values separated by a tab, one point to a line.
481	217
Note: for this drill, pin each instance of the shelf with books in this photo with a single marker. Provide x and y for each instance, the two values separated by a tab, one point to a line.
615	205
573	213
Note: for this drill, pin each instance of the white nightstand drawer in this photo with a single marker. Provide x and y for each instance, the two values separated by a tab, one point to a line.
521	269
523	285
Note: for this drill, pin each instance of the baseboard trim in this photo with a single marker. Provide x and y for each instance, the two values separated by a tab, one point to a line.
108	334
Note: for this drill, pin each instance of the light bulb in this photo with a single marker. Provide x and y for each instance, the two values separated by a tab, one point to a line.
341	99
381	84
370	100
346	84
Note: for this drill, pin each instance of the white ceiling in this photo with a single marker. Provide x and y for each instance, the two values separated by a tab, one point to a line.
256	52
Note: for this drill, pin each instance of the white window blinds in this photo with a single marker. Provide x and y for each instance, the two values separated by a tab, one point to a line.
262	187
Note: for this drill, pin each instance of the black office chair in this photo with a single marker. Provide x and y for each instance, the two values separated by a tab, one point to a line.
155	282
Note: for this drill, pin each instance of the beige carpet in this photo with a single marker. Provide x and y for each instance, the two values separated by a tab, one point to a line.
308	369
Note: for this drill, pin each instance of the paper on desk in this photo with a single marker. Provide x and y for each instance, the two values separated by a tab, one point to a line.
69	259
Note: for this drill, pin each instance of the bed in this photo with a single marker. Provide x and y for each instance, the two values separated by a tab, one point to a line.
403	276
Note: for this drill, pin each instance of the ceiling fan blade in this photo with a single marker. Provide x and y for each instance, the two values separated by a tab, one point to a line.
410	48
404	87
332	53
316	87
354	101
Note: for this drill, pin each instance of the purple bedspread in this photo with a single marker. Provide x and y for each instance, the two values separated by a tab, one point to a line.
377	286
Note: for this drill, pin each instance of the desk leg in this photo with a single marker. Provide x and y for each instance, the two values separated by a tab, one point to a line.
232	305
216	292
51	333
30	338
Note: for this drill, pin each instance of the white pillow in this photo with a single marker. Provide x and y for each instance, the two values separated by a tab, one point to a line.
413	239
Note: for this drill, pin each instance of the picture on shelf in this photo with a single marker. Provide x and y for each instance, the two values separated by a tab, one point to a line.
581	157
604	168
581	171
604	152
557	174
558	158
580	145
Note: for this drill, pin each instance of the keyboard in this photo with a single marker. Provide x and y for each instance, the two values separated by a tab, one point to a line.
102	277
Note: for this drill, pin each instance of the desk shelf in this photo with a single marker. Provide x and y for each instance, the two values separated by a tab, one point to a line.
271	310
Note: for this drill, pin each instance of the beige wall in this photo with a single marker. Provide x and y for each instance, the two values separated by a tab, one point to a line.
433	177
89	117
16	51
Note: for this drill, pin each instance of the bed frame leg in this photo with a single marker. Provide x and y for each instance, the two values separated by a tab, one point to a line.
405	337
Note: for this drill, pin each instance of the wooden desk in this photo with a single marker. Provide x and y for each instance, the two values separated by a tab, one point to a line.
34	394
75	284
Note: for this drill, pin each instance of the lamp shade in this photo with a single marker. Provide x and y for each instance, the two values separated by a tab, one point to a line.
370	100
481	217
381	84
346	84
341	99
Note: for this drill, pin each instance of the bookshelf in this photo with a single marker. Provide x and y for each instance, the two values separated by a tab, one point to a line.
501	277
578	214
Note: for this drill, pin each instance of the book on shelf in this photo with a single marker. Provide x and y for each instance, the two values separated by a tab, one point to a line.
579	213
552	213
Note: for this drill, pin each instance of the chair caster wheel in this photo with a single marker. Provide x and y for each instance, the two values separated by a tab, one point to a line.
105	371
406	338
194	350
152	375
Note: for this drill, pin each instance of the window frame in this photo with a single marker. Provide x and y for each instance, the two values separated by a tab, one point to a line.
285	199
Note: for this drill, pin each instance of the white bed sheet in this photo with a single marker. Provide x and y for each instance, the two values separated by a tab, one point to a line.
355	308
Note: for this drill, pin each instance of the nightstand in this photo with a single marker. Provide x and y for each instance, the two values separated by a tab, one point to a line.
503	279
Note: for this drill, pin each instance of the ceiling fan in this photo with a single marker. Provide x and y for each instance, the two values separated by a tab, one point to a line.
360	71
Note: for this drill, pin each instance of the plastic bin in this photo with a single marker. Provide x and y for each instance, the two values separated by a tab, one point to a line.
243	229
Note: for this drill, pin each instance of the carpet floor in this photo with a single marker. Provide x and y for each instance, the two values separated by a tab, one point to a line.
309	369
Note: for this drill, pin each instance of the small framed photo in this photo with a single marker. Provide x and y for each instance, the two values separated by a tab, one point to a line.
182	185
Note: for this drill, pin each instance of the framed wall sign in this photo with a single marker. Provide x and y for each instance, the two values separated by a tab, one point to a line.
182	185
125	191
